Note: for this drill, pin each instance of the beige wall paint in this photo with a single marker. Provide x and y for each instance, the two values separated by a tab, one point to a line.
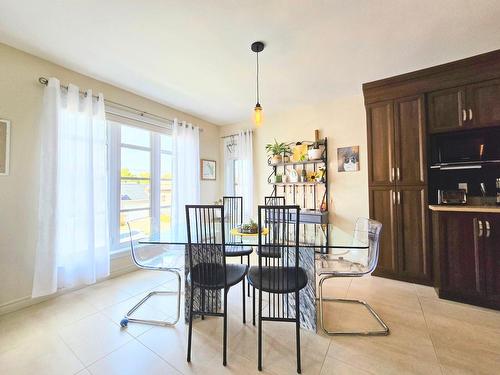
343	121
20	102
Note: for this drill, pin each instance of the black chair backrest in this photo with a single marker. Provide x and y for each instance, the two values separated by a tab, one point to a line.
233	209
274	200
279	234
207	260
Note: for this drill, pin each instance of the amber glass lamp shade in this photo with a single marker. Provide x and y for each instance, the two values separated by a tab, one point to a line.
257	116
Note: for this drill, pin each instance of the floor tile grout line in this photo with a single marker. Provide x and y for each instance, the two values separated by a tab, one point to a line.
429	332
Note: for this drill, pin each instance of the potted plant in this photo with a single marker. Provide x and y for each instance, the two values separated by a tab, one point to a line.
314	152
277	151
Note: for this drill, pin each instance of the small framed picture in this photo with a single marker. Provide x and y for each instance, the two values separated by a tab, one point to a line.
348	159
4	147
208	169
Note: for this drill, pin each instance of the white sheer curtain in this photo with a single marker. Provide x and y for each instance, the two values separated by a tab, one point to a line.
246	172
73	235
186	175
229	157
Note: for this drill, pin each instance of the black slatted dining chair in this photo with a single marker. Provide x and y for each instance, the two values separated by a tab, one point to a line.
233	209
208	272
283	278
274	200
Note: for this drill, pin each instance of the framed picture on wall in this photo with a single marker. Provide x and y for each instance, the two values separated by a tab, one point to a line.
4	147
208	169
348	159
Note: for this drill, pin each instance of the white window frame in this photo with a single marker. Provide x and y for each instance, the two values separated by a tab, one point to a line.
114	161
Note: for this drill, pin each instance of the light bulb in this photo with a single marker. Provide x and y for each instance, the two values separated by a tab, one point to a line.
257	117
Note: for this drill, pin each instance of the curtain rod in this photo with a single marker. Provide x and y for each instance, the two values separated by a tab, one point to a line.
44	81
235	134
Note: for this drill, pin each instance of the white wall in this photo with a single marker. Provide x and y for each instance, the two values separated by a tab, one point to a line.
20	102
343	121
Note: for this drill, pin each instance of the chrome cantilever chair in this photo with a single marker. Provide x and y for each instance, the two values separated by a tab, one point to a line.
353	263
208	272
157	258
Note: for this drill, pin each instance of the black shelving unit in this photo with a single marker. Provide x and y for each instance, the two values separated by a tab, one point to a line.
296	192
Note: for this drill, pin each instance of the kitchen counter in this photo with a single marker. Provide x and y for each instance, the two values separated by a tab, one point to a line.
465	208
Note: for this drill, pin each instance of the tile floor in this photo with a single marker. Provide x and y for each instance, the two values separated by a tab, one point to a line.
79	333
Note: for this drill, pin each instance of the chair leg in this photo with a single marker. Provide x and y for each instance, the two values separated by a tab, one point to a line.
259	366
248	263
190	330
244	298
224	354
253	306
128	317
202	295
382	332
297	329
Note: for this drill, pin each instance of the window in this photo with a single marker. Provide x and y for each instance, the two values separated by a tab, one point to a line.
141	162
237	177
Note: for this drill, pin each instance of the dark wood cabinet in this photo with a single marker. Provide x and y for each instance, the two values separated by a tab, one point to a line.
383	209
469	264
446	109
466	107
397	177
492	257
380	125
484	103
414	257
410	140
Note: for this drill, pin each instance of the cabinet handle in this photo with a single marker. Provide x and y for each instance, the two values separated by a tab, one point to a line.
399	197
470	114
464	117
393	197
392	174
488	228
397	174
480	225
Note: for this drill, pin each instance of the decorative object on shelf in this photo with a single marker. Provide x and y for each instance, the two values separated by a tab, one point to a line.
299	152
4	147
250	228
315	152
348	159
277	151
303	175
208	169
278	179
320	174
293	176
257	47
284	178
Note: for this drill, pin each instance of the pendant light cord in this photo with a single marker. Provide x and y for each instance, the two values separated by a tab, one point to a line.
257	77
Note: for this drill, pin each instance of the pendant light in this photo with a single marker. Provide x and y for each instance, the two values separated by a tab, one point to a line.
257	117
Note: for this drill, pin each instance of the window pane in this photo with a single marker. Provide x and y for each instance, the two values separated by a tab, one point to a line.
165	220
166	166
135	163
237	177
166	142
135	136
135	194
166	193
140	226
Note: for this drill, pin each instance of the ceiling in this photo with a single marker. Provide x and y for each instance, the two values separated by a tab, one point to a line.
195	55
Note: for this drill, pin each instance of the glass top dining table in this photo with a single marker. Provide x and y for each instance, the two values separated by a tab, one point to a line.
322	237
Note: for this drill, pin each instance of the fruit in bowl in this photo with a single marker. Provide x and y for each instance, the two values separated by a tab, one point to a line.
250	228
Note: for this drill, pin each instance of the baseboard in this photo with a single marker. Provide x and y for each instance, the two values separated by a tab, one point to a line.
27	301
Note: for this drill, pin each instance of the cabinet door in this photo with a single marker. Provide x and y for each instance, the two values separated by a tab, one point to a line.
380	127
484	103
410	141
446	110
460	254
413	228
492	256
382	209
